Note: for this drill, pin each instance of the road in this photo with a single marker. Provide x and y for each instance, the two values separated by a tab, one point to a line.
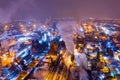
56	70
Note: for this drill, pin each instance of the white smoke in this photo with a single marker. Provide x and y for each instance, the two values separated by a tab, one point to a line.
5	14
66	29
13	9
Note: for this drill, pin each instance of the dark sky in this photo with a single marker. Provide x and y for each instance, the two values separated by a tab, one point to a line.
39	9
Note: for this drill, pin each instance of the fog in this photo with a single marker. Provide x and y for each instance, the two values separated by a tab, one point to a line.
43	9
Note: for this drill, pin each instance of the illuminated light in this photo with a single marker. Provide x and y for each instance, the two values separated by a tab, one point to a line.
21	25
113	74
107	32
40	41
23	55
48	34
16	63
44	27
102	76
81	45
49	44
44	38
7	59
24	50
117	58
60	39
27	34
106	58
23	39
105	70
6	27
96	37
34	26
81	29
103	28
118	50
118	71
109	44
24	61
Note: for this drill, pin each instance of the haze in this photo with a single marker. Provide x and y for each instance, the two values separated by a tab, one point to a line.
42	9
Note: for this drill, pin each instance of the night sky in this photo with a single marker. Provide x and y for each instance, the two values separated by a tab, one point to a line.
41	9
